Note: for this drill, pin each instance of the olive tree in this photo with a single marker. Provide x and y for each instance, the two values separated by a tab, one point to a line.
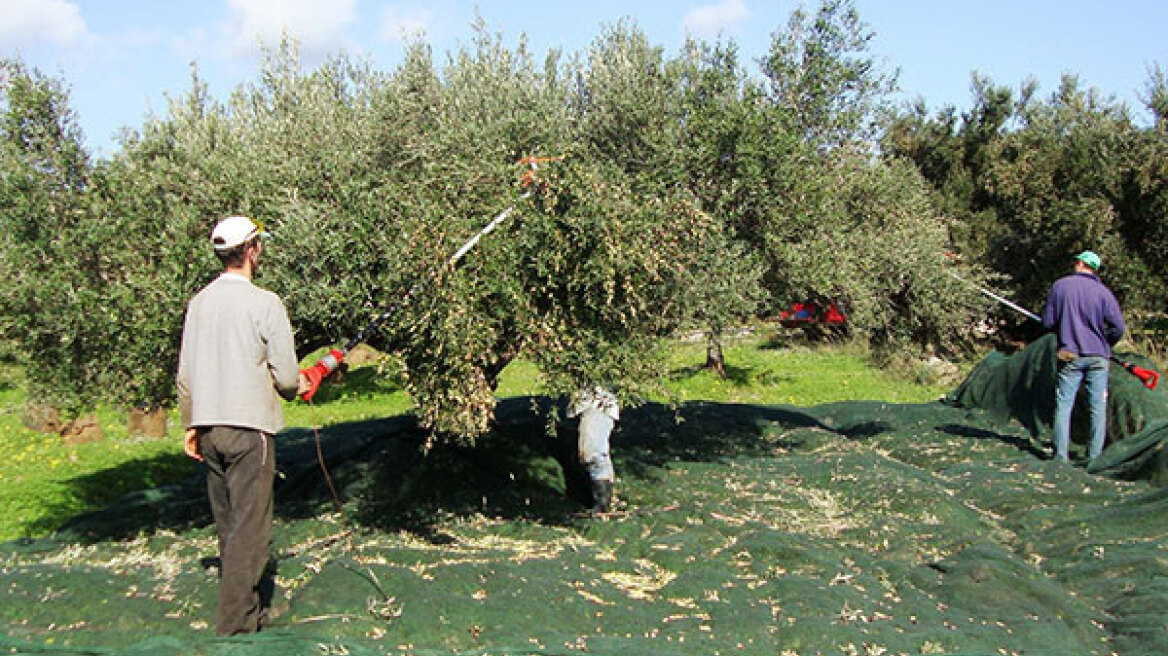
585	278
1028	181
670	194
159	195
676	125
54	312
876	245
715	135
1056	184
823	77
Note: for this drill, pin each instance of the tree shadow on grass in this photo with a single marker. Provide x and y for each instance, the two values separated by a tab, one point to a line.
864	429
738	376
134	494
656	433
526	469
810	335
388	481
523	471
181	504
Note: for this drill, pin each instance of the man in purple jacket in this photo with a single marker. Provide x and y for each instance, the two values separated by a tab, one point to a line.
1086	317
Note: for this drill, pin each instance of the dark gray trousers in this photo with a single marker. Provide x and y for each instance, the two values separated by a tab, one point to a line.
241	465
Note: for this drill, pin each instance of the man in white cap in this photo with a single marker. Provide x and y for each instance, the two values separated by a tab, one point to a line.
236	363
598	411
1086	318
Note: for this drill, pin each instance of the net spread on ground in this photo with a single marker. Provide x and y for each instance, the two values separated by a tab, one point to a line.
850	528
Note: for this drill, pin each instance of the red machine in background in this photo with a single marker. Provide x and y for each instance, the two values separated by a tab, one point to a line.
813	313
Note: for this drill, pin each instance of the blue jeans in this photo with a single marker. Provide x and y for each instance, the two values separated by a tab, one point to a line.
1094	369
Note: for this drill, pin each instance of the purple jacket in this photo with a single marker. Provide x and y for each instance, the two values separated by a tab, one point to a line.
1084	314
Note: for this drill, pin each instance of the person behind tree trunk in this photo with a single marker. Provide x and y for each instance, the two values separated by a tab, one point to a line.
598	411
237	360
1086	318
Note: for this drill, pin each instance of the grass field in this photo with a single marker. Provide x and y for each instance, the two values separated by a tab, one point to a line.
40	474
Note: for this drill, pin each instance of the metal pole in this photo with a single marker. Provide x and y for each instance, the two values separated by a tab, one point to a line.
1001	299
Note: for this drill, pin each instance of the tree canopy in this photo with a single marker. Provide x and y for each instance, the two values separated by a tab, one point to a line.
676	192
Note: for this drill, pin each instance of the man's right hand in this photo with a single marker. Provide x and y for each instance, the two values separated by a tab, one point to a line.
303	385
191	444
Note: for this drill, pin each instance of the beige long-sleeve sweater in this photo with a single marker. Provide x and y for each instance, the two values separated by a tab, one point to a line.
237	357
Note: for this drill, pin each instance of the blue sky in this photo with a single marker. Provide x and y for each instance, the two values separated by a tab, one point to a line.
122	58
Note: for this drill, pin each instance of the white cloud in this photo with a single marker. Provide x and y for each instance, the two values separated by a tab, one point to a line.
399	24
710	20
28	22
319	27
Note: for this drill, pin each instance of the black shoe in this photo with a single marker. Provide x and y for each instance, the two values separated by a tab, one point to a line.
601	496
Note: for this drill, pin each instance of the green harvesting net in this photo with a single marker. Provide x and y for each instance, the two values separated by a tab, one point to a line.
860	528
1022	387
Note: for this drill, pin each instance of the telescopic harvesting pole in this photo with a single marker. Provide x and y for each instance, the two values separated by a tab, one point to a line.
999	298
1149	377
329	363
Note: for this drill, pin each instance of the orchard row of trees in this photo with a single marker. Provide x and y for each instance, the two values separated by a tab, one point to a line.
686	192
1027	180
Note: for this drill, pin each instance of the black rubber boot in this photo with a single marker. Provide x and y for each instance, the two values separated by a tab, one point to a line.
601	496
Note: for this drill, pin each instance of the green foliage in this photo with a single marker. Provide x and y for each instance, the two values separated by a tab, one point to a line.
676	192
53	308
622	104
1028	182
821	76
875	245
679	124
1051	183
369	182
615	277
1155	95
783	167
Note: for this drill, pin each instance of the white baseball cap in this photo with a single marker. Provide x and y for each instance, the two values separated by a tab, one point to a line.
235	230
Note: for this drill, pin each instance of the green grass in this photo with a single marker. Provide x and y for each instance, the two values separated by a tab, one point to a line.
770	371
766	369
43	481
